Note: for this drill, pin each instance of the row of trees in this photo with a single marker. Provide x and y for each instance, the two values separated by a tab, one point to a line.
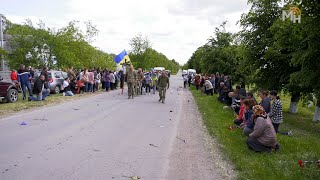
142	55
39	46
269	52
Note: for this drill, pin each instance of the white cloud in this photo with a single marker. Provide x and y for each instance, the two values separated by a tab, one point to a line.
175	27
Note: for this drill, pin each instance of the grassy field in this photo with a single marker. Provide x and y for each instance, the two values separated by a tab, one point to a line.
9	108
304	144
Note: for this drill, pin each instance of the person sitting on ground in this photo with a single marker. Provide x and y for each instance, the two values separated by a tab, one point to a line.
40	89
263	138
223	94
242	111
208	88
265	101
248	124
67	88
73	86
276	113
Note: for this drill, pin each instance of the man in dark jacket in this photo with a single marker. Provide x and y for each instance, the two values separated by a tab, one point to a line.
24	78
40	89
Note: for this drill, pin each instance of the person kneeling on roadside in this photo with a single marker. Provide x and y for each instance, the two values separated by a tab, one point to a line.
242	110
40	89
208	88
67	88
263	138
247	125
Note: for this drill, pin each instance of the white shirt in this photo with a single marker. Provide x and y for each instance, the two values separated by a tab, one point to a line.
208	85
65	84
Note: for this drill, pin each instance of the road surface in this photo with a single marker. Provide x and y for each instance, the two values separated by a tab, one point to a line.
107	136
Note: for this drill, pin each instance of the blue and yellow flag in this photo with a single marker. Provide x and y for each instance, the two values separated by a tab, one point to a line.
122	57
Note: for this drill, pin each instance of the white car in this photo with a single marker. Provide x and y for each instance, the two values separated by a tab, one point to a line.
184	72
192	71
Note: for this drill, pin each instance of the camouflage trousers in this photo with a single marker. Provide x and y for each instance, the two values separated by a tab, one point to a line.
162	93
130	89
138	89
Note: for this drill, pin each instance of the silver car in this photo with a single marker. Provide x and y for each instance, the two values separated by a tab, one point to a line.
56	79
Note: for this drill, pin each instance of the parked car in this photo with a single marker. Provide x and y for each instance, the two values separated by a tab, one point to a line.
9	91
56	79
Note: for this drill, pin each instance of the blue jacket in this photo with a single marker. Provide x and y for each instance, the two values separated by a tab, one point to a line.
249	117
23	76
266	104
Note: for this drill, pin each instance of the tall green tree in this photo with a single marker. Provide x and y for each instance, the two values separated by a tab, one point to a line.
143	56
139	44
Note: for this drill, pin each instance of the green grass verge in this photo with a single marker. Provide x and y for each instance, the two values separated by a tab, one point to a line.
9	108
305	144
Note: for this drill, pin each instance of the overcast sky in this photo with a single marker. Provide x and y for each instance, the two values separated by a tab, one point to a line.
175	27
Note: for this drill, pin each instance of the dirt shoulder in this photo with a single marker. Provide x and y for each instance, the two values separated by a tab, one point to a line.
199	157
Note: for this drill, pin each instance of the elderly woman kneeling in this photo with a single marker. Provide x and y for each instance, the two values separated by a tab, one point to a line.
263	138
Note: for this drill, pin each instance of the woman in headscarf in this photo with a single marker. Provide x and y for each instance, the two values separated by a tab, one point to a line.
263	138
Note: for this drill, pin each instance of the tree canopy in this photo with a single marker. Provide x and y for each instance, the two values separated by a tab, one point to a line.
39	46
143	56
269	52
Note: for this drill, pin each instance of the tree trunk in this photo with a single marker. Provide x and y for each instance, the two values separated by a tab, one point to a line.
316	116
295	98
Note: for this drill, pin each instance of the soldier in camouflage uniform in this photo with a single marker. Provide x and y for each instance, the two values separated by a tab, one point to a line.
163	84
131	79
140	78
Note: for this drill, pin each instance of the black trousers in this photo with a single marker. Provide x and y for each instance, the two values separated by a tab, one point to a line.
255	145
148	88
210	91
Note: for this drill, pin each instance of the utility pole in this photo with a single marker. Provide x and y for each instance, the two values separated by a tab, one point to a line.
1	42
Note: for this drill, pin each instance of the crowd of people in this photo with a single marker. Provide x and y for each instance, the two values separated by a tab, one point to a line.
139	82
259	121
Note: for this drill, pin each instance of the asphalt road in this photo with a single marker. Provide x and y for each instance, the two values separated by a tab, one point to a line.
107	136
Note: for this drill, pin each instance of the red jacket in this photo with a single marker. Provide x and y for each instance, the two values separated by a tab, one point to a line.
14	76
241	113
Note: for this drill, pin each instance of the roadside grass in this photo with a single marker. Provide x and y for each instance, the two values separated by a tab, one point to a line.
304	144
9	108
